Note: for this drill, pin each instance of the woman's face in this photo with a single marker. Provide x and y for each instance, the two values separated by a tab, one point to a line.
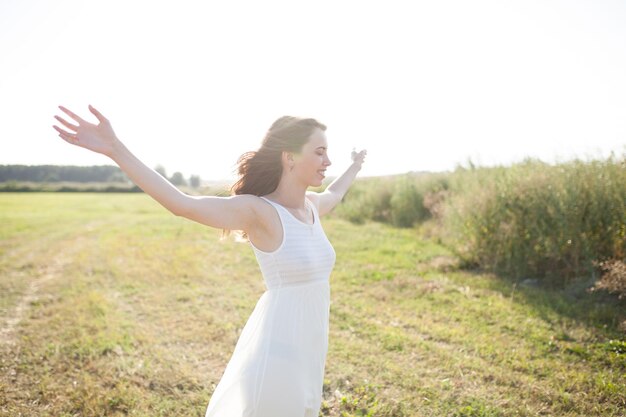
311	163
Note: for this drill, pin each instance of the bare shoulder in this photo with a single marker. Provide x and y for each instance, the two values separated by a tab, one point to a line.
263	214
266	232
237	212
325	202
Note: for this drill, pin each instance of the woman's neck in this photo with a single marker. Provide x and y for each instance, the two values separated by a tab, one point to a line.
290	193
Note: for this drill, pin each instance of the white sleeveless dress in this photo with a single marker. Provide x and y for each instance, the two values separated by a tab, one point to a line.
277	367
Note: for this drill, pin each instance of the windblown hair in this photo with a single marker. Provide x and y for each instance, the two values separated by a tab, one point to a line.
260	171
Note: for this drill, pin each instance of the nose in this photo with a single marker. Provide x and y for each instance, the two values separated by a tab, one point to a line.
327	162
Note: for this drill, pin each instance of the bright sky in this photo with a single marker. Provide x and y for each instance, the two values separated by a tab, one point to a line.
421	85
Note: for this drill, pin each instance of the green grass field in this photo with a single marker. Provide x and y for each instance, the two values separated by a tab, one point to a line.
112	306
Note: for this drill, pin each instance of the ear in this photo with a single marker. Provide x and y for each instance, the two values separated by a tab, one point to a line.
288	157
284	160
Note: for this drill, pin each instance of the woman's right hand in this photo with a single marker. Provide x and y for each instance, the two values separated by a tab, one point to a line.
99	138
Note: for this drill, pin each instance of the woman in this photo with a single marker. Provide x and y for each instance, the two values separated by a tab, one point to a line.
277	367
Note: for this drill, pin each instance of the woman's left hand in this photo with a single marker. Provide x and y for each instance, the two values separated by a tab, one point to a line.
358	157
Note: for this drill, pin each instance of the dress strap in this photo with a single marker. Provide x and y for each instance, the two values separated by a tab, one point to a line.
316	214
276	206
313	210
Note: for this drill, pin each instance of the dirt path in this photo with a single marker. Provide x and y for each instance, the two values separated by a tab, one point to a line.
31	295
33	290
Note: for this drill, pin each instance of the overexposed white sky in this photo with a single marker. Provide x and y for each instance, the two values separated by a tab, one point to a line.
422	85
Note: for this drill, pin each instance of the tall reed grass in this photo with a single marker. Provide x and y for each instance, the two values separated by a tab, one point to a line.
527	220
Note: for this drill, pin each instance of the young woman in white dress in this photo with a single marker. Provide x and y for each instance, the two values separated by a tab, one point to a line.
277	366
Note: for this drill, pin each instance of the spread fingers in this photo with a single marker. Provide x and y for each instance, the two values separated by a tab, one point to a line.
69	137
66	124
72	115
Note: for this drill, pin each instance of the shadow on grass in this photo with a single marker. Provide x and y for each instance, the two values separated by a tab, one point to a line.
598	309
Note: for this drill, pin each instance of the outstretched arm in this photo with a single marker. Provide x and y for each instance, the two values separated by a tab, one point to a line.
102	139
336	190
235	212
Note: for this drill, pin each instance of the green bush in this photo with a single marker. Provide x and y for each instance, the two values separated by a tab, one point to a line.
528	220
397	200
406	203
367	200
534	219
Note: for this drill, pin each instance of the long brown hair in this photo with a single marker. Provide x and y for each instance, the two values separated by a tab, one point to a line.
260	171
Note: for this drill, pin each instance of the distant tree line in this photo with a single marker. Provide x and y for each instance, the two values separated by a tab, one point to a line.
177	178
61	173
71	173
